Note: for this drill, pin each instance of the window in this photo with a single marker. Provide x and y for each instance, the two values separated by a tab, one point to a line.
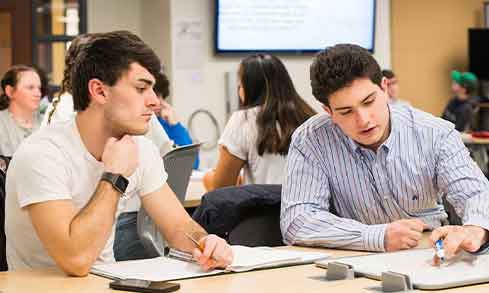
54	24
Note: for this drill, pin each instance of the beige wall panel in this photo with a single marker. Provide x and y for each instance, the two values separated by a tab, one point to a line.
429	39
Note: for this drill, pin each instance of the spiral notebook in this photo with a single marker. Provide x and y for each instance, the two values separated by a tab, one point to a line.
177	265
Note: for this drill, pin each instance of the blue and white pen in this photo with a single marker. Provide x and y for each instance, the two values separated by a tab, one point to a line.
440	252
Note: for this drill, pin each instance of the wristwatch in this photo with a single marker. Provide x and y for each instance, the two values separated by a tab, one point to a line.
118	181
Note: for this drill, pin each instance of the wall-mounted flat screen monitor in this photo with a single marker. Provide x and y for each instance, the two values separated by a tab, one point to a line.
292	26
479	52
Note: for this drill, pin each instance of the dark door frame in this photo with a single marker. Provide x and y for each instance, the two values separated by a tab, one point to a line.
21	29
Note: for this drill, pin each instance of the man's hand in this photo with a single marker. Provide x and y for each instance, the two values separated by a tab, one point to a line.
216	253
457	238
120	156
403	234
167	113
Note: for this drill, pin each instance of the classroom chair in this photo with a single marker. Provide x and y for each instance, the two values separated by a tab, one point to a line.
178	164
4	161
453	218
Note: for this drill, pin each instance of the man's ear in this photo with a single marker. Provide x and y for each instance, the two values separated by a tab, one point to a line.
384	84
327	109
96	89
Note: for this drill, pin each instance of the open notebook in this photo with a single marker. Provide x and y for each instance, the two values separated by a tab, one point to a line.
168	268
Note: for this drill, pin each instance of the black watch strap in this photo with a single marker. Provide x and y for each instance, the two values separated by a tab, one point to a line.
118	181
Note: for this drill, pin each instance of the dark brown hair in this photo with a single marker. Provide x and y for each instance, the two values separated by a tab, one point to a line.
106	57
337	67
11	78
162	85
267	83
387	73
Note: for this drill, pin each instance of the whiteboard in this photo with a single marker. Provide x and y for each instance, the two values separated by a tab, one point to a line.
464	269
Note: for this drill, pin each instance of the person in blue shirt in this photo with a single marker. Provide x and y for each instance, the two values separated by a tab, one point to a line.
167	117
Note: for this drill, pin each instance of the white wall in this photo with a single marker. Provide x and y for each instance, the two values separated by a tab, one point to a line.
382	50
197	76
155	29
110	15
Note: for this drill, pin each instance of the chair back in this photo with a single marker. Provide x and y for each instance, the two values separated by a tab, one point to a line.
453	218
4	161
178	165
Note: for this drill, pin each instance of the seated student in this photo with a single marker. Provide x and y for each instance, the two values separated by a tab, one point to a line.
19	105
62	109
167	117
392	86
257	137
381	166
67	183
460	109
127	244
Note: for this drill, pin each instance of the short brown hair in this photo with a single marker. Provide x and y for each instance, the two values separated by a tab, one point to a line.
387	73
337	67
106	57
162	85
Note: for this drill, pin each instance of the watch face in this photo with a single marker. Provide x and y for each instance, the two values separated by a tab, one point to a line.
121	183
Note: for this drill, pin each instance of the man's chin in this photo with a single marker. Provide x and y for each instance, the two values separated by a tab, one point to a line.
138	131
135	130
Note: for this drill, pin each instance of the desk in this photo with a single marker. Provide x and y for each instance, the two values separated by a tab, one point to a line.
468	139
304	278
195	190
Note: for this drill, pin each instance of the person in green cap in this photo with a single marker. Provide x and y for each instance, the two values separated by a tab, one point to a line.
461	107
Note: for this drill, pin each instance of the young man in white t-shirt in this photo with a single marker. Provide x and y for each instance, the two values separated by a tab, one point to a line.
67	184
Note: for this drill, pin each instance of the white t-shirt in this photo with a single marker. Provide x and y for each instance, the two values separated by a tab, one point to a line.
65	111
54	164
240	138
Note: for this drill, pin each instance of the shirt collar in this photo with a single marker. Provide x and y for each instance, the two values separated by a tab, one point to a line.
389	143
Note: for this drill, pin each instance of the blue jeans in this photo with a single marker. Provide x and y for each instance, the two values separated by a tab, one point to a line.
127	245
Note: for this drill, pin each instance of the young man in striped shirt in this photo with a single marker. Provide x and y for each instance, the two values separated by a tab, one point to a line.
383	168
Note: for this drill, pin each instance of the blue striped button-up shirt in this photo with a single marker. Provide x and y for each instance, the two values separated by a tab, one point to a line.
422	159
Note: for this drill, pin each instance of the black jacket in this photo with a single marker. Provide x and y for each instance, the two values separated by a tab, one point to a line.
222	209
460	112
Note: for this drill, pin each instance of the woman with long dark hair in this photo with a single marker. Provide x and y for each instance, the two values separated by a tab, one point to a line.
257	137
19	105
